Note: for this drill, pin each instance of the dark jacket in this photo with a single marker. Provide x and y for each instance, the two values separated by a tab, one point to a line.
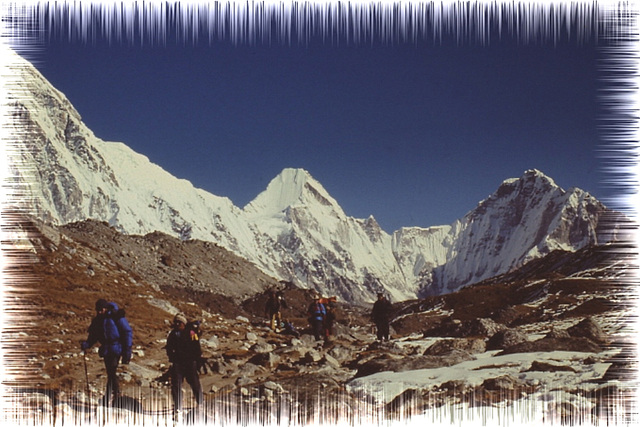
316	311
274	304
113	332
183	346
381	312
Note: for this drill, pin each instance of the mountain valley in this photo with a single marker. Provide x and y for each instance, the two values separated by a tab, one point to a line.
558	330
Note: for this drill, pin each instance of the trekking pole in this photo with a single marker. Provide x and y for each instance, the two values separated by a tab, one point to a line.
86	376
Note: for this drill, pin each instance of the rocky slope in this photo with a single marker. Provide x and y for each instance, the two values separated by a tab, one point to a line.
558	331
294	230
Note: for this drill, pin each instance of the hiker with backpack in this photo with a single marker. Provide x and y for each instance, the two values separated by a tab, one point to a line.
112	330
317	313
272	309
330	317
381	316
184	352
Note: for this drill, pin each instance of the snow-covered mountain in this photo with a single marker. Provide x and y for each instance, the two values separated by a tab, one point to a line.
294	230
526	218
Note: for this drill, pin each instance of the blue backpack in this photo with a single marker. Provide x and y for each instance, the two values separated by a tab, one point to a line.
319	311
117	334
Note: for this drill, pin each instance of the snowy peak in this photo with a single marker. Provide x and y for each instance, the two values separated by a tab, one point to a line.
531	184
290	189
526	218
532	177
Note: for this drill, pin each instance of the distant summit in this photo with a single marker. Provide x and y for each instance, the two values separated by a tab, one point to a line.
292	187
294	230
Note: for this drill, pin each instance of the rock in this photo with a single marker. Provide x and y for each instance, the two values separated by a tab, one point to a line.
267	360
558	334
243	381
341	353
537	366
331	361
307	340
212	342
412	363
252	337
312	356
554	344
235	354
163	305
588	328
505	338
262	348
249	369
387	346
484	327
291	355
456	386
270	385
506	316
448	346
456	328
504	382
221	367
242	319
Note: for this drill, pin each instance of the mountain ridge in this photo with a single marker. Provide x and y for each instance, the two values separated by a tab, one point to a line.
294	230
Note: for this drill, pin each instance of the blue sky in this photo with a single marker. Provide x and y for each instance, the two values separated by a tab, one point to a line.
415	134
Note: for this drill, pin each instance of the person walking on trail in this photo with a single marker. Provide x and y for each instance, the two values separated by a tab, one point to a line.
317	313
273	308
112	330
381	316
184	352
330	317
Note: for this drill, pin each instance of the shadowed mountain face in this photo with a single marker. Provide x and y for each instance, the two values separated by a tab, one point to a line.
561	321
294	230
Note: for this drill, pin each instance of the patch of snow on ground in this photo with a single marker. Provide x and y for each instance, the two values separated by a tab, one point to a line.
386	386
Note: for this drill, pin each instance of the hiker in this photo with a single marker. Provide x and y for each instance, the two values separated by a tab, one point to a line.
272	309
381	316
289	329
330	317
112	330
184	352
317	313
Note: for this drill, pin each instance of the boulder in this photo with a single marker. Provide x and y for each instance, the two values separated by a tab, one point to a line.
554	344
262	347
448	346
412	363
266	360
456	328
588	328
504	382
506	338
249	369
483	327
312	356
